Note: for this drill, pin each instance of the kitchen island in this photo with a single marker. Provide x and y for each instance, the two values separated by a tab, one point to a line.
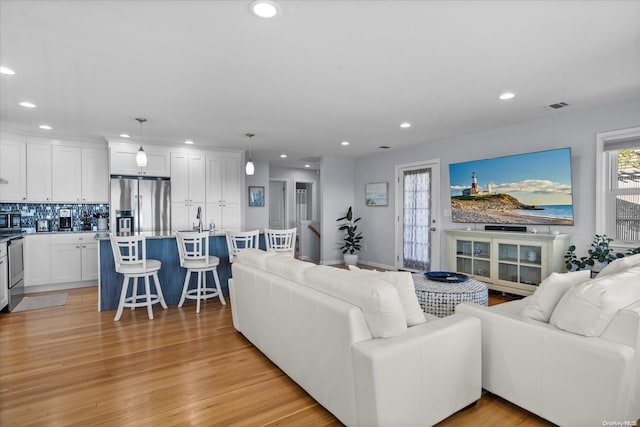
163	247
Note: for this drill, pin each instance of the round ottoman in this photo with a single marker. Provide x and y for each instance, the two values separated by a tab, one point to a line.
441	298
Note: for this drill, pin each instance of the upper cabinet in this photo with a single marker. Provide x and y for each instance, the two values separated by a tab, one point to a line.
66	173
38	166
224	177
187	177
45	172
13	168
95	175
123	161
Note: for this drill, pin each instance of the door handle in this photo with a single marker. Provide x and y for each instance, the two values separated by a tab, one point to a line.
432	229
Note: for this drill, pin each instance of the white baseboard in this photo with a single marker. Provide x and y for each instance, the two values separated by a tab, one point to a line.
59	286
378	265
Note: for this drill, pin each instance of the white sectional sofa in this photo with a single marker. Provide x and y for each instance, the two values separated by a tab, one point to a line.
354	341
570	353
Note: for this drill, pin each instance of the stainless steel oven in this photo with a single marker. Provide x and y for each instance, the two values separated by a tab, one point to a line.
15	259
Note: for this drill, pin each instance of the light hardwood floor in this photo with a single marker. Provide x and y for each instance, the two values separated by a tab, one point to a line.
72	365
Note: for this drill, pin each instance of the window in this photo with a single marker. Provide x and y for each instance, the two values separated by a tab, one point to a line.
618	191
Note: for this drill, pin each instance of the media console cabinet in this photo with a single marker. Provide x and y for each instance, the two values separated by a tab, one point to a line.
513	262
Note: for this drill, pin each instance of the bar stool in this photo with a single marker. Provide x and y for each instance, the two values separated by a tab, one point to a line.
280	240
130	256
194	256
239	241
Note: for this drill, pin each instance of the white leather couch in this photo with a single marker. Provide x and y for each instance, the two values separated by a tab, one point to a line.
344	338
573	357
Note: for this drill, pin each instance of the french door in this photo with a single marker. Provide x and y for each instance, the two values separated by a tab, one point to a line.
417	207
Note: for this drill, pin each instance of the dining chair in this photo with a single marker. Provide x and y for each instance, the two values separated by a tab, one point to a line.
280	240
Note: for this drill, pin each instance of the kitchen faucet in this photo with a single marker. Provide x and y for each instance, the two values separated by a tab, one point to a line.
199	218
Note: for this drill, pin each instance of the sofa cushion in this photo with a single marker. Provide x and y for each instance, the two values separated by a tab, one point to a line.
378	300
255	257
541	304
284	265
403	283
620	264
588	307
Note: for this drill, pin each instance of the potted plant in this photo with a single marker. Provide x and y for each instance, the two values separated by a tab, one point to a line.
352	237
599	255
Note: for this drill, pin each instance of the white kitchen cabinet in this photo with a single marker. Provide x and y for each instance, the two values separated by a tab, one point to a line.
90	261
225	216
123	161
507	261
224	180
66	173
37	259
183	216
13	168
39	173
188	178
95	175
73	257
4	279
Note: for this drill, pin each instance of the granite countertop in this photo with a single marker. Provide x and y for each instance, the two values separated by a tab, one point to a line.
104	235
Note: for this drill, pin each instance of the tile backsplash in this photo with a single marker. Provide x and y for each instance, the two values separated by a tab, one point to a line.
34	211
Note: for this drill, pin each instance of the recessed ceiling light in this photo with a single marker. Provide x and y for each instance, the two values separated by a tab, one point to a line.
188	141
125	135
284	156
405	125
45	127
345	143
27	104
263	8
7	71
307	166
507	95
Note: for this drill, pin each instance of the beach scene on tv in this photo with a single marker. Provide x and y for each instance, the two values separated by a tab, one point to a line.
531	188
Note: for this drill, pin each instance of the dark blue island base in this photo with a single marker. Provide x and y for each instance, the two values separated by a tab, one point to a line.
171	275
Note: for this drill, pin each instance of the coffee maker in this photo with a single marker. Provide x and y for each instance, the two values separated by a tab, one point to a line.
65	222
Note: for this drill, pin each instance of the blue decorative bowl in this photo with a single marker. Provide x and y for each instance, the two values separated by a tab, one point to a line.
446	276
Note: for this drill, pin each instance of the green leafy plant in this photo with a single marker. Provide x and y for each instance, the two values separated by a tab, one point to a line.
352	236
600	251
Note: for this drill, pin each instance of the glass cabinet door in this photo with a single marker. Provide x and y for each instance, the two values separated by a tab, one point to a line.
520	263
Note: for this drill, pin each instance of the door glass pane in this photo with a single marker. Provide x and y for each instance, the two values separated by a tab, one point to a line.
530	254
417	219
463	247
508	272
507	252
481	268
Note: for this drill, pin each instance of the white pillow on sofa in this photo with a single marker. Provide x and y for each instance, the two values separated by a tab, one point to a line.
403	283
378	300
588	308
620	264
549	292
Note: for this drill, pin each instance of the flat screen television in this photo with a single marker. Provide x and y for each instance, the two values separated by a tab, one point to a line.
531	188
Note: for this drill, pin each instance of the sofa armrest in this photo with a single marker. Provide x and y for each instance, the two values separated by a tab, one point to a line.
427	374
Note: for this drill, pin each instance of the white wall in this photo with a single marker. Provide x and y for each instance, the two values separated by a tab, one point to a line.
568	128
336	178
291	176
257	216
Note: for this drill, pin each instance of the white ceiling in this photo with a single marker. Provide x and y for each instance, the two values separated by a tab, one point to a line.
319	73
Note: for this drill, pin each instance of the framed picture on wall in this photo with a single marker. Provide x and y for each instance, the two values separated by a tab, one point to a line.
377	194
256	196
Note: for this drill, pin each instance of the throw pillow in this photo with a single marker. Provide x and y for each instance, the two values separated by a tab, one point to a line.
378	300
588	307
403	283
620	264
546	297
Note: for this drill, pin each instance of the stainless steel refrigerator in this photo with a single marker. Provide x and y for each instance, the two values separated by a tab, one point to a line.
147	200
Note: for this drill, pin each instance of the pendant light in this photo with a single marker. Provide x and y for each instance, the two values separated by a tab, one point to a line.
250	168
141	156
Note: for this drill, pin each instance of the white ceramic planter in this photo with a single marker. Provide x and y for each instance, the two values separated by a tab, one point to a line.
350	259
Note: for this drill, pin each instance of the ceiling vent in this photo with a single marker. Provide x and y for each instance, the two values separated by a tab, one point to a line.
384	147
557	105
